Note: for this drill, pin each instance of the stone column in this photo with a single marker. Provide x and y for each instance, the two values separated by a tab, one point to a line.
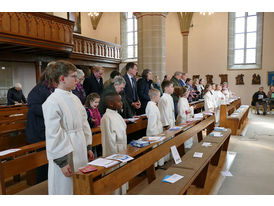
152	42
185	52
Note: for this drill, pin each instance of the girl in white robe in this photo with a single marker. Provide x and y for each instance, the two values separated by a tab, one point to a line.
220	99
113	130
209	99
154	125
67	131
185	112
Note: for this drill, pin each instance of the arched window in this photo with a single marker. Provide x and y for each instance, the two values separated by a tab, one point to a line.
245	40
129	36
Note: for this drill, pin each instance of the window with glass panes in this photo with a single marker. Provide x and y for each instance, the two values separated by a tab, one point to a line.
245	40
132	40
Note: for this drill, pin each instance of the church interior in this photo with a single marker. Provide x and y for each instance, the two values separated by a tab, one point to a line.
234	140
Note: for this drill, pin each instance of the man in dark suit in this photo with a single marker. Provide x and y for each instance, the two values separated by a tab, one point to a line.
131	86
94	83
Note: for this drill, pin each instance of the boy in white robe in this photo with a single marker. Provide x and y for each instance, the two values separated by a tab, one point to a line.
166	108
154	125
185	112
166	105
113	128
68	135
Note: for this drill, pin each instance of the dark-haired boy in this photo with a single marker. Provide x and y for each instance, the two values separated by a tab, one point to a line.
113	128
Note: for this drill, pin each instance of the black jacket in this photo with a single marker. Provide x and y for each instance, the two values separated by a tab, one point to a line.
14	95
143	87
35	129
255	97
129	92
126	113
92	85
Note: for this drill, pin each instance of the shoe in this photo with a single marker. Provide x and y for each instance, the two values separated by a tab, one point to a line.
264	113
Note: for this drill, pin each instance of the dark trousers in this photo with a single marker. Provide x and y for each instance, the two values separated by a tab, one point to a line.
261	103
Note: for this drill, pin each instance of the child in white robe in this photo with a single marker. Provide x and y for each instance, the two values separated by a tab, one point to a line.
68	135
113	128
154	125
166	105
220	99
209	99
185	112
166	108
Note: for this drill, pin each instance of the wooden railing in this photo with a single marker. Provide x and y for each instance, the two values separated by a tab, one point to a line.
36	29
96	48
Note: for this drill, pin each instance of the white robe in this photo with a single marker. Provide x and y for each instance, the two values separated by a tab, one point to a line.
220	99
209	102
154	124
67	133
166	107
114	138
183	106
182	117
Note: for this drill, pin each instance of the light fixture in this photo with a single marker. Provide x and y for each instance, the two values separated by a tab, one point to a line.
3	68
93	14
204	13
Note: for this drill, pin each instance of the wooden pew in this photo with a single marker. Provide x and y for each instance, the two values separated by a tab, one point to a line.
228	120
26	159
199	105
41	159
97	183
193	169
12	126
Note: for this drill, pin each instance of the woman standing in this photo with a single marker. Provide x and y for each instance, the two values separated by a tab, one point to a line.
79	90
143	87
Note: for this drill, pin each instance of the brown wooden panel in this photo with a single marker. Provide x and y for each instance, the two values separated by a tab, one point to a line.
24	163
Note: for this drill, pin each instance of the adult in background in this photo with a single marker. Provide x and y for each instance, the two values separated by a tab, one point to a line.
176	83
143	87
167	77
79	91
117	86
157	84
258	99
94	82
15	95
184	76
200	87
131	87
270	95
111	78
35	128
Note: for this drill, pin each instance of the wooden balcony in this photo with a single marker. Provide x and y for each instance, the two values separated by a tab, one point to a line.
93	49
32	31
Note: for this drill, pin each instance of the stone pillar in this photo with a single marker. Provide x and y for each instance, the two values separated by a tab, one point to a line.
185	52
152	42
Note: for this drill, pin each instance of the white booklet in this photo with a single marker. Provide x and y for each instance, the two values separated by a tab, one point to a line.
198	154
206	144
103	162
120	157
175	155
173	178
154	138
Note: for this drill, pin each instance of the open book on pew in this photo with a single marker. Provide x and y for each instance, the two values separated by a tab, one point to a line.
103	162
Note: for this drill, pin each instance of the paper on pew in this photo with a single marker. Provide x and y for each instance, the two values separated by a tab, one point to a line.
103	162
216	134
175	128
198	116
5	152
174	178
132	119
120	157
206	144
154	139
198	154
226	174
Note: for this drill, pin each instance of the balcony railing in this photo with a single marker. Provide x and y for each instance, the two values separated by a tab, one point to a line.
95	48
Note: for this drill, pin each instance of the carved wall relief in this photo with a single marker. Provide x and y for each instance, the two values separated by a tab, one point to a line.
256	79
240	79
